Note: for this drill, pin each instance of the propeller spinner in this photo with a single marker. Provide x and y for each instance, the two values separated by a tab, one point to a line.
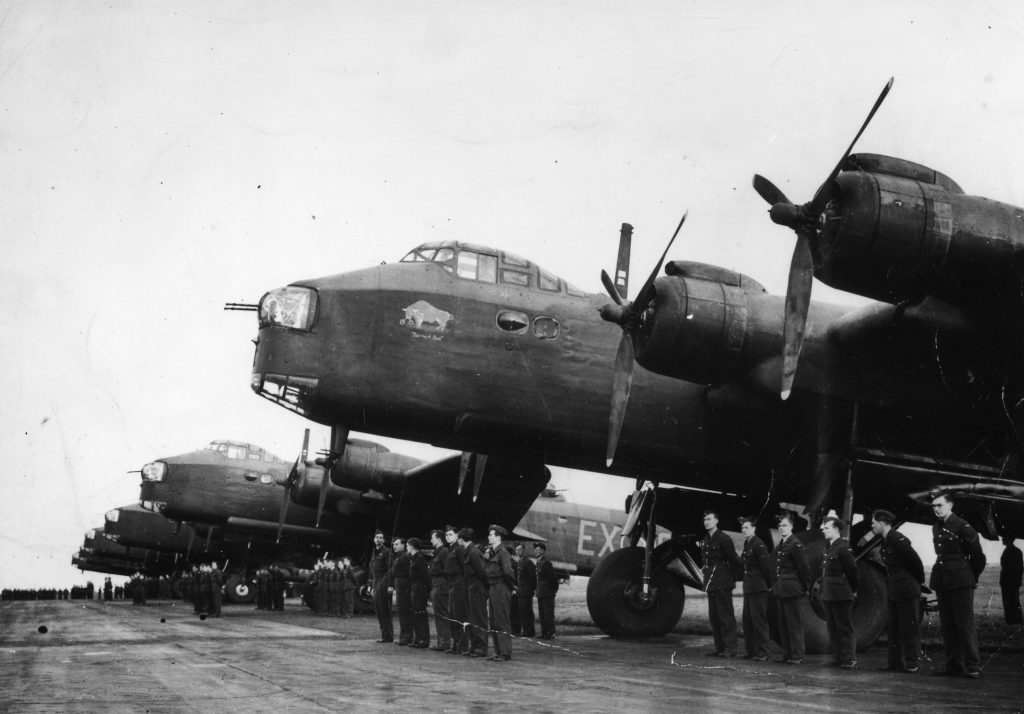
805	220
627	316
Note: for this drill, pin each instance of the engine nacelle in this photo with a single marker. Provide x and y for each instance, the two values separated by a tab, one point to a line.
702	327
364	467
900	231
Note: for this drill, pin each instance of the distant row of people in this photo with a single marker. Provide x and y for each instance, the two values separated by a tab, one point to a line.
788	576
203	586
472	591
332	587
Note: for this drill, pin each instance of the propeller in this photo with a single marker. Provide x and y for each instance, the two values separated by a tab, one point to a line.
805	220
627	315
339	440
293	477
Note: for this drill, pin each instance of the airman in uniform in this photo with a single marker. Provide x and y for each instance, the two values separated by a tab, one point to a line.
792	581
547	587
439	592
959	563
839	582
419	584
378	569
400	585
1011	572
476	592
277	588
333	589
526	586
758	577
904	576
216	589
719	566
458	599
501	580
349	586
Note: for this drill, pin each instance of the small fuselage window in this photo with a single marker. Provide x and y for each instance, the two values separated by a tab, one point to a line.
513	321
546	328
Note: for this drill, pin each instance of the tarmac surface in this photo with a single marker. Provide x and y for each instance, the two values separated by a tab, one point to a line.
116	657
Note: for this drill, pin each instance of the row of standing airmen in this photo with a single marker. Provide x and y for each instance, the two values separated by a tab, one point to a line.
472	592
787	575
203	587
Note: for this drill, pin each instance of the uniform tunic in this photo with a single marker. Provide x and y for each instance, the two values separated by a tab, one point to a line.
904	576
758	577
526	586
419	577
958	564
439	596
476	589
458	603
792	580
547	586
399	580
839	582
500	580
1011	571
720	563
378	568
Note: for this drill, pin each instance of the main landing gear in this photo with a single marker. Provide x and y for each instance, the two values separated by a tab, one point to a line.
632	592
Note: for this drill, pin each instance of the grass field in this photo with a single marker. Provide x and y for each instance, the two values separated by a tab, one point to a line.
993	632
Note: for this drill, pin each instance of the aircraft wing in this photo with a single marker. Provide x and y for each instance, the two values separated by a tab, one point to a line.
505	487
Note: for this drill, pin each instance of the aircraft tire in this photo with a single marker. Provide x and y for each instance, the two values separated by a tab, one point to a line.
239	590
613	602
869	610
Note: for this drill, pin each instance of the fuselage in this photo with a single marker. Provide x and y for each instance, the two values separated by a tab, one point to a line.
414	351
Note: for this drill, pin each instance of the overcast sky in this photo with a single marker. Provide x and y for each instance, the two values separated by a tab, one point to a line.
160	159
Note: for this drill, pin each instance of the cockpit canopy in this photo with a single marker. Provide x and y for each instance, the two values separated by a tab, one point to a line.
241	451
488	265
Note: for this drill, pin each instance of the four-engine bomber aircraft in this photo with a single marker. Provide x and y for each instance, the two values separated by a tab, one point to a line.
477	349
232	492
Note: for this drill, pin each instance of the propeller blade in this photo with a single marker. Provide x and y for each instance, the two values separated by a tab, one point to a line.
463	469
798	300
623	381
622	263
644	296
478	475
284	509
613	292
768	191
325	485
825	191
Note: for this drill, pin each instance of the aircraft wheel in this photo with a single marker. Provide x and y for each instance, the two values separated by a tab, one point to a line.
869	610
239	590
614	597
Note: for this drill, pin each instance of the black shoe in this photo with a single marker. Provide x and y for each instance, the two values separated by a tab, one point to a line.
852	664
793	661
911	669
421	646
759	658
973	674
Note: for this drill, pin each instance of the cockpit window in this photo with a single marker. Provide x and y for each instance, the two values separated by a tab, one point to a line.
477	262
478	266
241	451
547	281
292	306
515	277
514	260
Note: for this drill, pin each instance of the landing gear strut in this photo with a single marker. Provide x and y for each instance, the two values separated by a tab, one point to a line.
631	592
